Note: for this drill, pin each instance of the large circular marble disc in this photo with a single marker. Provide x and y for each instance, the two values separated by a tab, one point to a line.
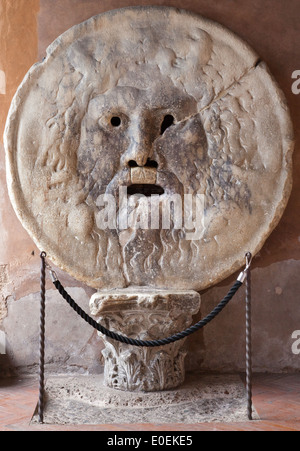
170	107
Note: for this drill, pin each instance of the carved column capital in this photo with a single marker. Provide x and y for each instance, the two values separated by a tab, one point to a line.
148	315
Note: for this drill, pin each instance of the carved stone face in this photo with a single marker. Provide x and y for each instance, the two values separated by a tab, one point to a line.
175	107
140	136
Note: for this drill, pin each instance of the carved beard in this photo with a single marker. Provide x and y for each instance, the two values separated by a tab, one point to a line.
148	252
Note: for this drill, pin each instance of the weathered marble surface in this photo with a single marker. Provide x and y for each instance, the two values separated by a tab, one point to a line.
86	400
146	315
231	140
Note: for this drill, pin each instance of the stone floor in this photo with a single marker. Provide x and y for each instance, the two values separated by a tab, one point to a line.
201	399
276	399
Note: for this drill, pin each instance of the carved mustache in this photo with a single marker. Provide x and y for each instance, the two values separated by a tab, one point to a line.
145	180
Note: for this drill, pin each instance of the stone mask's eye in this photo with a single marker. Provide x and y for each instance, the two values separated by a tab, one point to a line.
166	123
112	122
115	121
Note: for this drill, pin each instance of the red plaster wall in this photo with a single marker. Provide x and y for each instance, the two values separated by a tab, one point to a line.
271	27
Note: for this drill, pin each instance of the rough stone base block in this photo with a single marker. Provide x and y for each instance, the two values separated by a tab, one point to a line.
147	315
202	398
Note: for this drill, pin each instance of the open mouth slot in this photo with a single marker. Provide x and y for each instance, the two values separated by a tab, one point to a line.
145	189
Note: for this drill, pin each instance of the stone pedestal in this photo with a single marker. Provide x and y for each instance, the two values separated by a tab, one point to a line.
148	315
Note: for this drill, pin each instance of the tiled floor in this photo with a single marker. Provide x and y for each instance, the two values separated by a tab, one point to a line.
276	399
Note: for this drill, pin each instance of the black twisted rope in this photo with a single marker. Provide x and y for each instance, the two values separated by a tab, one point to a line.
148	343
42	340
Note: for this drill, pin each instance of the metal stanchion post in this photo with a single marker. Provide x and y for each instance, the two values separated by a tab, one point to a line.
248	338
42	340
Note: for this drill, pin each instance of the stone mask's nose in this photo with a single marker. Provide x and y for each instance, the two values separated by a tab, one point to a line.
143	170
141	139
